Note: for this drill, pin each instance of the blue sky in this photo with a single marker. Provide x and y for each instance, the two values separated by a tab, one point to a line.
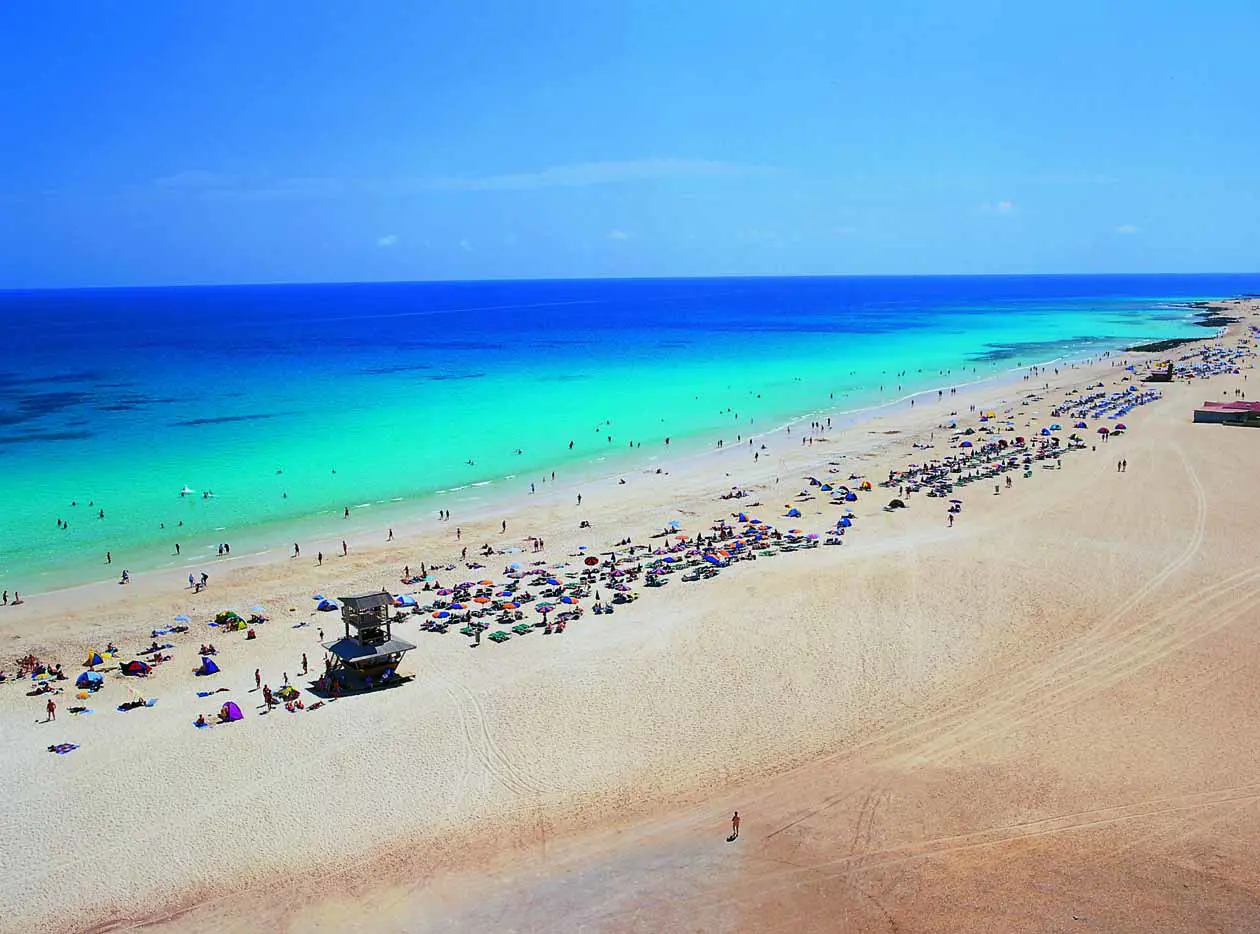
164	142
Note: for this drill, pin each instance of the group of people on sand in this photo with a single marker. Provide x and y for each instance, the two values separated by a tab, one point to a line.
17	599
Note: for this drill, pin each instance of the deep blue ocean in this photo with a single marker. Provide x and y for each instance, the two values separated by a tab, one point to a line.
293	402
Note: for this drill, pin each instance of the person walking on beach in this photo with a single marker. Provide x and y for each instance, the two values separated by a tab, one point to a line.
109	559
52	710
319	558
6	598
344	550
459	533
177	548
296	550
1124	466
257	678
951	520
192	582
304	665
390	537
735	826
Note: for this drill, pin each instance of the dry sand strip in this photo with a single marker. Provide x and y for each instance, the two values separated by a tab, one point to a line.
1045	711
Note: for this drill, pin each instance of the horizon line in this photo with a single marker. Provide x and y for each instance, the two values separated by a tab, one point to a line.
510	279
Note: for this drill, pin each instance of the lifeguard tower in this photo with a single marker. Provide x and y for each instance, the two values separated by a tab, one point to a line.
368	655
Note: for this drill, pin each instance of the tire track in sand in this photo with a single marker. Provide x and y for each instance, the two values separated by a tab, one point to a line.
972	718
481	743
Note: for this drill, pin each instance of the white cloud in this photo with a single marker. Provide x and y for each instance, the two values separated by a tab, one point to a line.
997	207
583	174
1126	229
387	241
615	234
196	180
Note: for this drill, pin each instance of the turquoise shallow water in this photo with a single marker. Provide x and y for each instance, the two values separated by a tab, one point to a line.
293	402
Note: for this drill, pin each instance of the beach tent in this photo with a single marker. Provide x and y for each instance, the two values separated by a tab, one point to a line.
93	659
326	605
90	680
896	504
793	513
137	668
850	498
228	616
208	667
405	599
230	712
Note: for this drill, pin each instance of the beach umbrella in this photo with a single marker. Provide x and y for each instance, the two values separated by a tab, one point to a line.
481	599
93	659
1080	425
485	583
713	559
511	605
1121	427
568	599
553	582
1104	431
90	680
445	592
591	561
966	444
458	606
441	614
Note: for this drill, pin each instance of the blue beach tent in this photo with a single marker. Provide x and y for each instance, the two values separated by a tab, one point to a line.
326	605
208	667
90	680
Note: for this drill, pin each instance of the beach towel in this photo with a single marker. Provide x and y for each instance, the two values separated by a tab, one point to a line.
62	748
202	726
82	711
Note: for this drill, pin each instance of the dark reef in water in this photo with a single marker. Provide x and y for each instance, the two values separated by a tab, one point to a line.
1032	351
223	419
1212	314
34	436
1163	346
1209	315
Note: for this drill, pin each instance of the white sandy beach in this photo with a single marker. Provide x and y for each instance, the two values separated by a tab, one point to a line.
1041	717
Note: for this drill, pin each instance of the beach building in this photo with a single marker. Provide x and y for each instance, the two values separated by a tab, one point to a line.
1164	375
1229	413
368	654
